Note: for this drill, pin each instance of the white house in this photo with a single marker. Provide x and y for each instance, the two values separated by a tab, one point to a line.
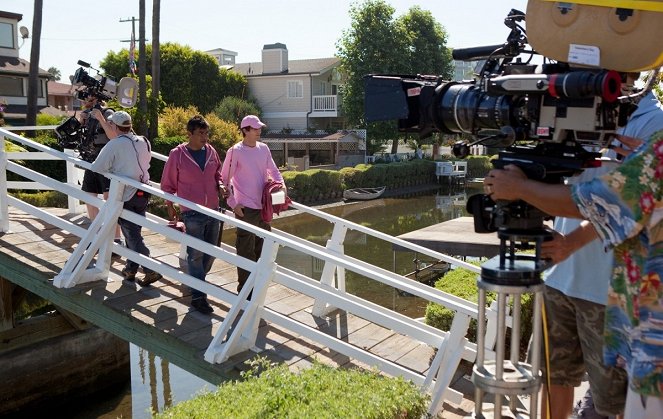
14	72
295	94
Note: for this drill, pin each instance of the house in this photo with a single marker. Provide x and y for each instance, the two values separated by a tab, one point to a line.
295	94
225	58
60	96
14	72
302	150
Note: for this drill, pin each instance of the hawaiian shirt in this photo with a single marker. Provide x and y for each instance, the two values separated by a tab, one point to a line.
626	210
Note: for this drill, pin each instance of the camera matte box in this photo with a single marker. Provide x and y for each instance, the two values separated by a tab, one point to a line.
620	39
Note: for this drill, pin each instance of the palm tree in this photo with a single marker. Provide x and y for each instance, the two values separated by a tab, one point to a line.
57	75
33	78
156	69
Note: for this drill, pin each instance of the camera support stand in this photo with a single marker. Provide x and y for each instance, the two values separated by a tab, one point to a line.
510	275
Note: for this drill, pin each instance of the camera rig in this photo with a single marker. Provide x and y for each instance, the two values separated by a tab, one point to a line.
89	138
544	117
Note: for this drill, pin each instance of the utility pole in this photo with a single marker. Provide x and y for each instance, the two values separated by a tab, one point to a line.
140	125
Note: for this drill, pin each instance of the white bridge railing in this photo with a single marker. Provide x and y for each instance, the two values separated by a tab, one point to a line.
328	293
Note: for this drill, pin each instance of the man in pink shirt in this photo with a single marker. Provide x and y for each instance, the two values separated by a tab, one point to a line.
247	168
193	172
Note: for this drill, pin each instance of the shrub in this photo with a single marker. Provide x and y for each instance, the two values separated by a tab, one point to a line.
316	392
172	122
462	283
478	166
232	109
43	199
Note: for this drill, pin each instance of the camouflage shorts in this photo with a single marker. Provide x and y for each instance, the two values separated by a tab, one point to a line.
575	339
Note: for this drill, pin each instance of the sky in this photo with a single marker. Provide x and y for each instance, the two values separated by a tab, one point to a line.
84	30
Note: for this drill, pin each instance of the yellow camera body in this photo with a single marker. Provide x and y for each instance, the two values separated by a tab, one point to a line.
617	35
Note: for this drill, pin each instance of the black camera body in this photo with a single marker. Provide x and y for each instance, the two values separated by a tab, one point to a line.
87	138
543	117
102	87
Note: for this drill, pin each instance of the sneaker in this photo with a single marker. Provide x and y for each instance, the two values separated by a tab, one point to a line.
150	278
128	275
202	305
584	408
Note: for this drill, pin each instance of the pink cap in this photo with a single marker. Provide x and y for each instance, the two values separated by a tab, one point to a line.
252	121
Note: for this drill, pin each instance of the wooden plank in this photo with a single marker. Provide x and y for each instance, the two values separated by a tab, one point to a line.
30	331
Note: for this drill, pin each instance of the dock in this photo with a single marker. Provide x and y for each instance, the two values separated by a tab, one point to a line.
454	237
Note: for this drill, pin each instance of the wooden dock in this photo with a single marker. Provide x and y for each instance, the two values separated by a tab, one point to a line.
455	237
158	317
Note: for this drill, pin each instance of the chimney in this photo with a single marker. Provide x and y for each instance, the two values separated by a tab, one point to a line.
274	58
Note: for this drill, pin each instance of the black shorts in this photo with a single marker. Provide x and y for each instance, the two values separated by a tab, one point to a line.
94	182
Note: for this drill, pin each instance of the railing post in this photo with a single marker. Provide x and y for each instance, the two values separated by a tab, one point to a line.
4	210
331	271
72	179
99	238
245	330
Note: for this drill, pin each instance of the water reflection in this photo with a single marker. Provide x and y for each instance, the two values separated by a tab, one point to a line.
156	384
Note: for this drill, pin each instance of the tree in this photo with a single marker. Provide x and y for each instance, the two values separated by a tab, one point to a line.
141	123
377	43
33	78
188	77
233	109
57	75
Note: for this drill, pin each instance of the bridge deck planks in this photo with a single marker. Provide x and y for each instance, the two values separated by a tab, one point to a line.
159	319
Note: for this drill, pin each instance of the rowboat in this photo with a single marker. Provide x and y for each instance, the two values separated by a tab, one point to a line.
363	194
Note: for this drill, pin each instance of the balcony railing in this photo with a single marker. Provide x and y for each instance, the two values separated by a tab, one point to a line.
327	103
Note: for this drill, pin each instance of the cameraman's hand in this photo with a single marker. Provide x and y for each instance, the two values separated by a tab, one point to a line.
630	144
96	114
557	249
505	184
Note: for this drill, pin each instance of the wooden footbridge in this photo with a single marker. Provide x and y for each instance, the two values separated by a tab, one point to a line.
59	255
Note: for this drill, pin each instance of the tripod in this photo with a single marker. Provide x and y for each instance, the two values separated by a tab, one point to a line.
510	275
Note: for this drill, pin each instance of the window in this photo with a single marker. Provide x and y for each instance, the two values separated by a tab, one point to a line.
6	35
295	89
11	86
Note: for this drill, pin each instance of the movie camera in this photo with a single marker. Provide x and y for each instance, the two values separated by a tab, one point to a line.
89	138
545	117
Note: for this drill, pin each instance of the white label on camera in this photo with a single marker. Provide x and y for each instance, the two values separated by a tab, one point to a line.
584	54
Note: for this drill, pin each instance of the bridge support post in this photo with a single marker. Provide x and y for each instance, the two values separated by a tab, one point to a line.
332	271
73	176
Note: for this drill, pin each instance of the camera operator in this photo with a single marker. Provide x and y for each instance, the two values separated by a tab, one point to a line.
94	183
626	210
128	154
575	301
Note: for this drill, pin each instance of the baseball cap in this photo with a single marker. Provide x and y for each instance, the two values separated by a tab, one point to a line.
252	121
121	119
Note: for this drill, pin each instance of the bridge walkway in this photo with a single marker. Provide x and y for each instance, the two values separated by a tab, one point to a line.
292	317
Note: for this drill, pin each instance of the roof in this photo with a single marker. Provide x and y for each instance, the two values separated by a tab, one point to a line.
10	15
59	89
310	66
15	65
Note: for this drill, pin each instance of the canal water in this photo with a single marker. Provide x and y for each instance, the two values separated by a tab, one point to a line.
156	384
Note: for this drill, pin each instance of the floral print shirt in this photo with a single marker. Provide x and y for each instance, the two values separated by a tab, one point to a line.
626	210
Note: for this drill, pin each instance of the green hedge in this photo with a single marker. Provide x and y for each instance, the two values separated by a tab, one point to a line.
317	392
463	283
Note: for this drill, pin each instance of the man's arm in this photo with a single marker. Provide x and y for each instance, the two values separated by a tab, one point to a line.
511	184
108	130
562	246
